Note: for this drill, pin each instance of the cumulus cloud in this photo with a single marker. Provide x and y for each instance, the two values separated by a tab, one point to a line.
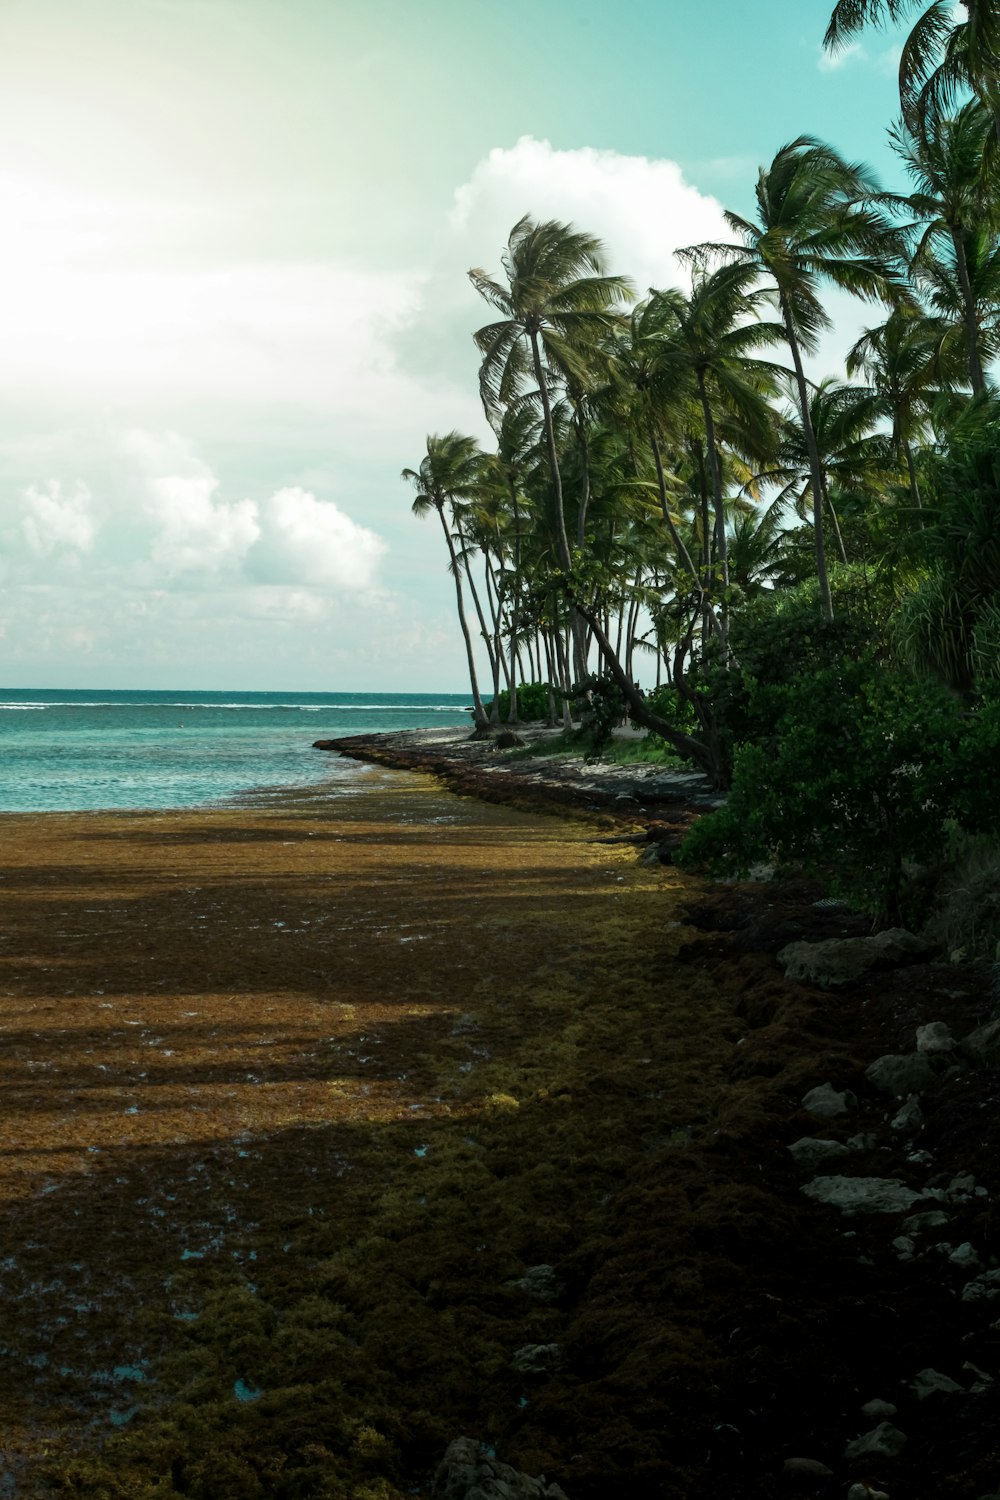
194	530
312	541
52	518
641	207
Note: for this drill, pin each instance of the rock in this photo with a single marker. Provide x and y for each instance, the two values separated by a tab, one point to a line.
983	1288
933	1383
827	1103
806	1468
932	1218
901	1073
910	1117
536	1359
935	1037
865	1492
865	1195
904	1247
965	1255
878	1408
961	1186
541	1283
470	1472
840	961
809	1152
983	1044
884	1441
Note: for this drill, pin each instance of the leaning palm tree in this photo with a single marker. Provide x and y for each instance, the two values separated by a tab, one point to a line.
450	472
815	223
945	54
557	304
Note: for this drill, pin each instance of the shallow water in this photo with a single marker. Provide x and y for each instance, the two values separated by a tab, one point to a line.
80	751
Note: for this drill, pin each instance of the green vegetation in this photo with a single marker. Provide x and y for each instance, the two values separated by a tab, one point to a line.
809	572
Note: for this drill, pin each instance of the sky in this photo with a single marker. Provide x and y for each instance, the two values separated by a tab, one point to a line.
234	302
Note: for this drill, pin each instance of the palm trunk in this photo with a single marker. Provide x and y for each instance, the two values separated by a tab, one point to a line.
478	711
976	377
911	470
815	468
720	513
483	627
838	535
550	442
706	754
675	536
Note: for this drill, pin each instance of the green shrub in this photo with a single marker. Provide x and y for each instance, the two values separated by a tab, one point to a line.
532	702
861	772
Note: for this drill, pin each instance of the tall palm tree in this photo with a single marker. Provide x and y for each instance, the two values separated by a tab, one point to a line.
557	304
717	328
449	472
815	223
945	53
948	204
855	459
905	362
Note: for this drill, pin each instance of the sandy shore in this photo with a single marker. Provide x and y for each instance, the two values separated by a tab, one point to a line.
298	1099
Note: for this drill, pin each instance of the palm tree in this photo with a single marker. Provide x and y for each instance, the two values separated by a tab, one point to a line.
716	329
905	362
451	471
855	459
815	222
558	303
943	159
943	55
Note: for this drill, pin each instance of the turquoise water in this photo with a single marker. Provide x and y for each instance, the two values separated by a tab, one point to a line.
83	751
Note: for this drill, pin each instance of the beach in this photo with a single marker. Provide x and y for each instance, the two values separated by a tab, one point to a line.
337	1129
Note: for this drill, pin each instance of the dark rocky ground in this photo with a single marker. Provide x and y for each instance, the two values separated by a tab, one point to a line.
753	1340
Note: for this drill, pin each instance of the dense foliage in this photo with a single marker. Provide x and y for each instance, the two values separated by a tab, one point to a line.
808	572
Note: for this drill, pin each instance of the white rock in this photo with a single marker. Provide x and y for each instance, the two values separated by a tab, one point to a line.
865	1195
877	1408
932	1383
826	1102
935	1037
884	1441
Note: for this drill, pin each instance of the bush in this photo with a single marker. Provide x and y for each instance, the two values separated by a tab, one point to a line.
532	702
857	780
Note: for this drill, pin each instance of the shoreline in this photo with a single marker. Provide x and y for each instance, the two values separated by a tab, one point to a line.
312	1086
660	800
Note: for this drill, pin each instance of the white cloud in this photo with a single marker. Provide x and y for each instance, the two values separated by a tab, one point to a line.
642	208
831	61
312	541
52	519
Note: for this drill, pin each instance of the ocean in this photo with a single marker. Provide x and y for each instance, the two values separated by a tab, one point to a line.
82	751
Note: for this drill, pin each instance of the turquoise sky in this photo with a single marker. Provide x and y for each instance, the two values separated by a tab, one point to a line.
233	298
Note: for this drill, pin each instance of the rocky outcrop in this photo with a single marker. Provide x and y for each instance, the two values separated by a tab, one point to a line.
842	961
472	1471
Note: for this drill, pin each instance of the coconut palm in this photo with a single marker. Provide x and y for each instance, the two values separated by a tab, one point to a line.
450	472
949	207
945	53
556	306
905	361
815	223
717	328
